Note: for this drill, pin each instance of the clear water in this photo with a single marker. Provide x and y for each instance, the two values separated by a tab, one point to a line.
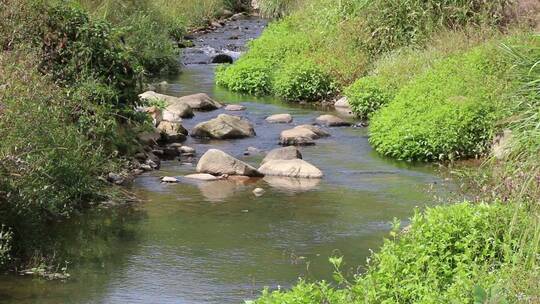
215	242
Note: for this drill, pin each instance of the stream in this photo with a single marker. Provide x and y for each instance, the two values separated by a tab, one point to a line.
215	242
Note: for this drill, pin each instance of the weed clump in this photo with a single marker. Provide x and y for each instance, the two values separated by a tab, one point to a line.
302	81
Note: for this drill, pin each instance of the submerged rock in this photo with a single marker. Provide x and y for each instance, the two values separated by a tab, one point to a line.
280	118
224	127
217	162
290	168
318	131
292	183
285	153
259	192
332	121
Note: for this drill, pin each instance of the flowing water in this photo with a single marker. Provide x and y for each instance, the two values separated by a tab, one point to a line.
215	242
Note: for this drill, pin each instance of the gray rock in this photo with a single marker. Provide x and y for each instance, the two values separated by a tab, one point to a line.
217	162
342	103
235	107
280	118
187	150
169	179
115	178
203	177
172	131
200	102
332	121
259	192
285	153
318	131
290	168
224	127
149	138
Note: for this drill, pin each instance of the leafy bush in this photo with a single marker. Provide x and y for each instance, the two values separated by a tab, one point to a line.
249	76
447	253
367	95
302	80
447	113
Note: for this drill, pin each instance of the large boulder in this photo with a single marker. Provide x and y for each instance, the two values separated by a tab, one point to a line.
224	127
217	162
280	118
285	153
332	121
290	168
292	184
201	102
151	96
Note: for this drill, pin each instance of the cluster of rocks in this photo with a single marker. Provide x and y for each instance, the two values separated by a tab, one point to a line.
165	141
282	162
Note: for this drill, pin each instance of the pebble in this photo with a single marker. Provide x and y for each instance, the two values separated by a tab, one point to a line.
259	192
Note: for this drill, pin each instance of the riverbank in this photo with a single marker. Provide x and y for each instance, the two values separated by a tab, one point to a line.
70	75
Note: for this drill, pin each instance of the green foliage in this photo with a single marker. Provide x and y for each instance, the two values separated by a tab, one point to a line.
5	246
48	164
367	95
302	80
249	76
305	293
76	48
276	8
446	113
393	24
447	253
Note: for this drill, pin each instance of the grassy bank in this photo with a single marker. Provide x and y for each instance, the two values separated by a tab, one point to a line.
70	72
438	81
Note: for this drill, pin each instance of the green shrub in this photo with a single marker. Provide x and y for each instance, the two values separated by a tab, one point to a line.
447	113
300	79
249	76
305	293
367	95
446	254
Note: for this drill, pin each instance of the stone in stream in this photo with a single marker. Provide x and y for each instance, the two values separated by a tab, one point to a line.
290	168
187	150
332	121
169	179
235	107
224	127
172	131
205	177
222	58
201	102
318	131
217	162
280	118
259	192
149	138
303	135
285	153
155	113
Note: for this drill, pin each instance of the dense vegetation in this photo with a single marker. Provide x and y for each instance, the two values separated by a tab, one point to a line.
438	80
69	75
